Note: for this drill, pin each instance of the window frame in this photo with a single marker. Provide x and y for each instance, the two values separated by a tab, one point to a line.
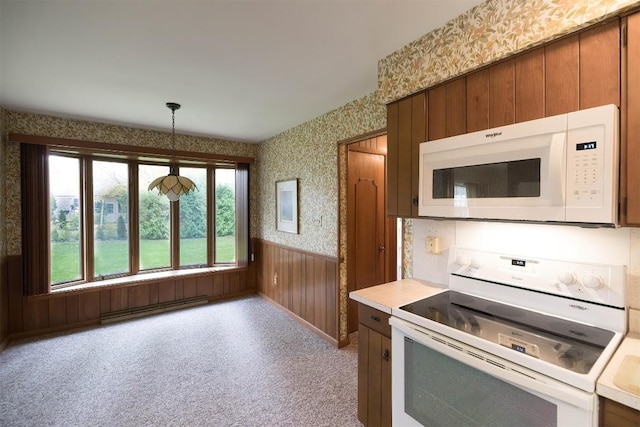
87	240
34	152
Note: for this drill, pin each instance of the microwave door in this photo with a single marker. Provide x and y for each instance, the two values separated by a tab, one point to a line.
516	179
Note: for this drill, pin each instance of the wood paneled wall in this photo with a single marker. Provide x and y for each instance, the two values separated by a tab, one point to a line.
303	283
66	310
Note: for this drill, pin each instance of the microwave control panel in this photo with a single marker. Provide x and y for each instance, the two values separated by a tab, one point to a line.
585	162
592	165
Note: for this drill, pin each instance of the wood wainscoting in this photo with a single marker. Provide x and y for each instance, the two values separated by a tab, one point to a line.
35	315
304	284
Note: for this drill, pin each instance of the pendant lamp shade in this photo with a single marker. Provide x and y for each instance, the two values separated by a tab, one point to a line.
173	185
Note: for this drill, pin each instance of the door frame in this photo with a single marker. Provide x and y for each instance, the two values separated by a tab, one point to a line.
390	255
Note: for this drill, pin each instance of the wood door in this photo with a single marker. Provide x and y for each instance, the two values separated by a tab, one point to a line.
366	224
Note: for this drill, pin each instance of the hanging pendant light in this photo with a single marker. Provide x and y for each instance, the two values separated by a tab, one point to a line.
173	185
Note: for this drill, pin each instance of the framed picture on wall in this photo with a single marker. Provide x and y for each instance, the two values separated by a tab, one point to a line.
287	206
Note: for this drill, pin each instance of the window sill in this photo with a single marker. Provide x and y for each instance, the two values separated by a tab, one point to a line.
142	278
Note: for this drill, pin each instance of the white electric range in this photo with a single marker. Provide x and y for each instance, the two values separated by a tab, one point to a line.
513	341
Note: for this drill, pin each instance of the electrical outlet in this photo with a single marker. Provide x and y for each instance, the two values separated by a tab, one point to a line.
433	245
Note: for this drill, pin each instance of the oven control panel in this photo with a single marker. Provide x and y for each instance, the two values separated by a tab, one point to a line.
592	282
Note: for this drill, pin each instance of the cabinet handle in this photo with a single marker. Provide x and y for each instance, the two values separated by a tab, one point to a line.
375	318
380	249
386	355
415	201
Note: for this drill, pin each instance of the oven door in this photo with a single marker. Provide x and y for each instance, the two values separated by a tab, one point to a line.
437	381
518	174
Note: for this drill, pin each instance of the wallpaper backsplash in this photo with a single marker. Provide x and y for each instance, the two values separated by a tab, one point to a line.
37	124
489	32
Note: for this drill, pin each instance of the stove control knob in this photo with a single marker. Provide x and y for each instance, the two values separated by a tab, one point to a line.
461	260
592	281
567	278
475	263
567	360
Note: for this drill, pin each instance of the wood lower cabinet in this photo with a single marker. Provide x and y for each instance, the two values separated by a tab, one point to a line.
614	414
374	367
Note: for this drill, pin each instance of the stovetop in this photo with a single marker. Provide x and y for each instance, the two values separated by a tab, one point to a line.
564	343
562	319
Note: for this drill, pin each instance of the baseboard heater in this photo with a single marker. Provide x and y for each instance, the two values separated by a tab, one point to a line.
132	313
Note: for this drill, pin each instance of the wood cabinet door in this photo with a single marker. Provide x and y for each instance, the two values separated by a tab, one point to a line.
392	159
404	158
436	102
456	107
614	414
502	94
529	86
630	160
418	136
374	377
447	107
478	100
600	66
406	130
562	65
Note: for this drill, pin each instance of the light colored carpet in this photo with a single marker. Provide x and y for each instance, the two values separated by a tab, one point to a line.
234	363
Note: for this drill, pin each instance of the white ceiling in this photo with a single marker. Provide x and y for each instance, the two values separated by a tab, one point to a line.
242	69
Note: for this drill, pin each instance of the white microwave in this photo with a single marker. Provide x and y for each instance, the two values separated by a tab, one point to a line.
561	169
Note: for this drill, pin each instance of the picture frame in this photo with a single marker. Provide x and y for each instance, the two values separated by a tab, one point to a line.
287	206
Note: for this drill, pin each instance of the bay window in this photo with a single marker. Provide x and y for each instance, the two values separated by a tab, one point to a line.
87	215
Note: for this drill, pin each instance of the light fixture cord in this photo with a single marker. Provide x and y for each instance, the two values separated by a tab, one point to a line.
173	129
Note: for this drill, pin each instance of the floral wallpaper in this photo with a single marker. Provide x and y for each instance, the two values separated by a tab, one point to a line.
37	124
487	33
309	152
4	297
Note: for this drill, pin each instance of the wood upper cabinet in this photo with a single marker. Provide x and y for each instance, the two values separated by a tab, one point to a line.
502	94
406	129
577	72
529	86
478	100
600	66
562	76
630	129
447	107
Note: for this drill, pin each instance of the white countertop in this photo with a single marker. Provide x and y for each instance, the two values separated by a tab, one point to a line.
395	294
607	386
